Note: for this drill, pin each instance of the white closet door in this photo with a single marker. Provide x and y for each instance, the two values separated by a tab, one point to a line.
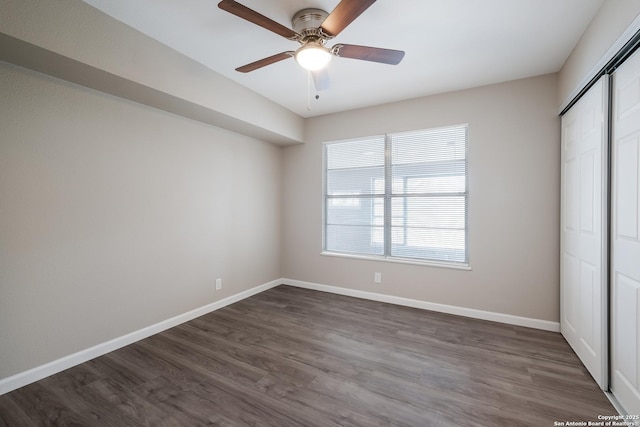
583	231
625	239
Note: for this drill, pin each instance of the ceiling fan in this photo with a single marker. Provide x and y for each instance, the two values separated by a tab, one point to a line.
312	28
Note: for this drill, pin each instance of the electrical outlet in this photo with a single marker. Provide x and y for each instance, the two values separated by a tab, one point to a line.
377	277
218	284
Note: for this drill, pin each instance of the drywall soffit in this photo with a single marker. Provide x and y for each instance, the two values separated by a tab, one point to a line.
36	58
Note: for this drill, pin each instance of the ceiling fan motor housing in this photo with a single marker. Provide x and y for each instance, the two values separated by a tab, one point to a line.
307	23
311	28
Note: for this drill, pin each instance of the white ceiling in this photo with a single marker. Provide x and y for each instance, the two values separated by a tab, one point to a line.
449	44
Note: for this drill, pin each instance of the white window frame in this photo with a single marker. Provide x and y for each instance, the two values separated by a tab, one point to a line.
387	257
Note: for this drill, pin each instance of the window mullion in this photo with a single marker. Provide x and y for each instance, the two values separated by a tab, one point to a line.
421	201
388	188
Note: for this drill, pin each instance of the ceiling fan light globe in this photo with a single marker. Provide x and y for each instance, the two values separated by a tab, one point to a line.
313	57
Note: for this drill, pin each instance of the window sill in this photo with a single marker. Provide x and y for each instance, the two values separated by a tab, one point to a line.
453	266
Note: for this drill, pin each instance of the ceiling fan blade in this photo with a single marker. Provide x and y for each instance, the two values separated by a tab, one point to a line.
264	62
321	79
375	54
344	14
251	15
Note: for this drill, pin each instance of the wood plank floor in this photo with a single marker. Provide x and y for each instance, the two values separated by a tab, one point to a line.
295	357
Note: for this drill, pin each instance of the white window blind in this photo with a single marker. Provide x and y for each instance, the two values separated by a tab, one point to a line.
401	195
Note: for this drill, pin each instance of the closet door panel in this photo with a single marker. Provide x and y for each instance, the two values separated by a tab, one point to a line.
583	219
625	236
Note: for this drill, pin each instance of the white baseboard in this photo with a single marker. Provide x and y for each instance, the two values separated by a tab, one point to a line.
32	375
425	305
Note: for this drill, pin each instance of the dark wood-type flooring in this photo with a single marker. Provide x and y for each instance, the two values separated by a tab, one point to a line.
295	357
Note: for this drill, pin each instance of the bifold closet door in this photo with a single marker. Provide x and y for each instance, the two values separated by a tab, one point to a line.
625	236
583	289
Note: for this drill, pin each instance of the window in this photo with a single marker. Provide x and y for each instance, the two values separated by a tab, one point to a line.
401	195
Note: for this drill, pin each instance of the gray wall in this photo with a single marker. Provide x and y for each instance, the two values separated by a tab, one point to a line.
514	178
607	26
115	216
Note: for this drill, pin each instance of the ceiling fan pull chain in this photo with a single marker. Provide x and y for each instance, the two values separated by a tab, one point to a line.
309	90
